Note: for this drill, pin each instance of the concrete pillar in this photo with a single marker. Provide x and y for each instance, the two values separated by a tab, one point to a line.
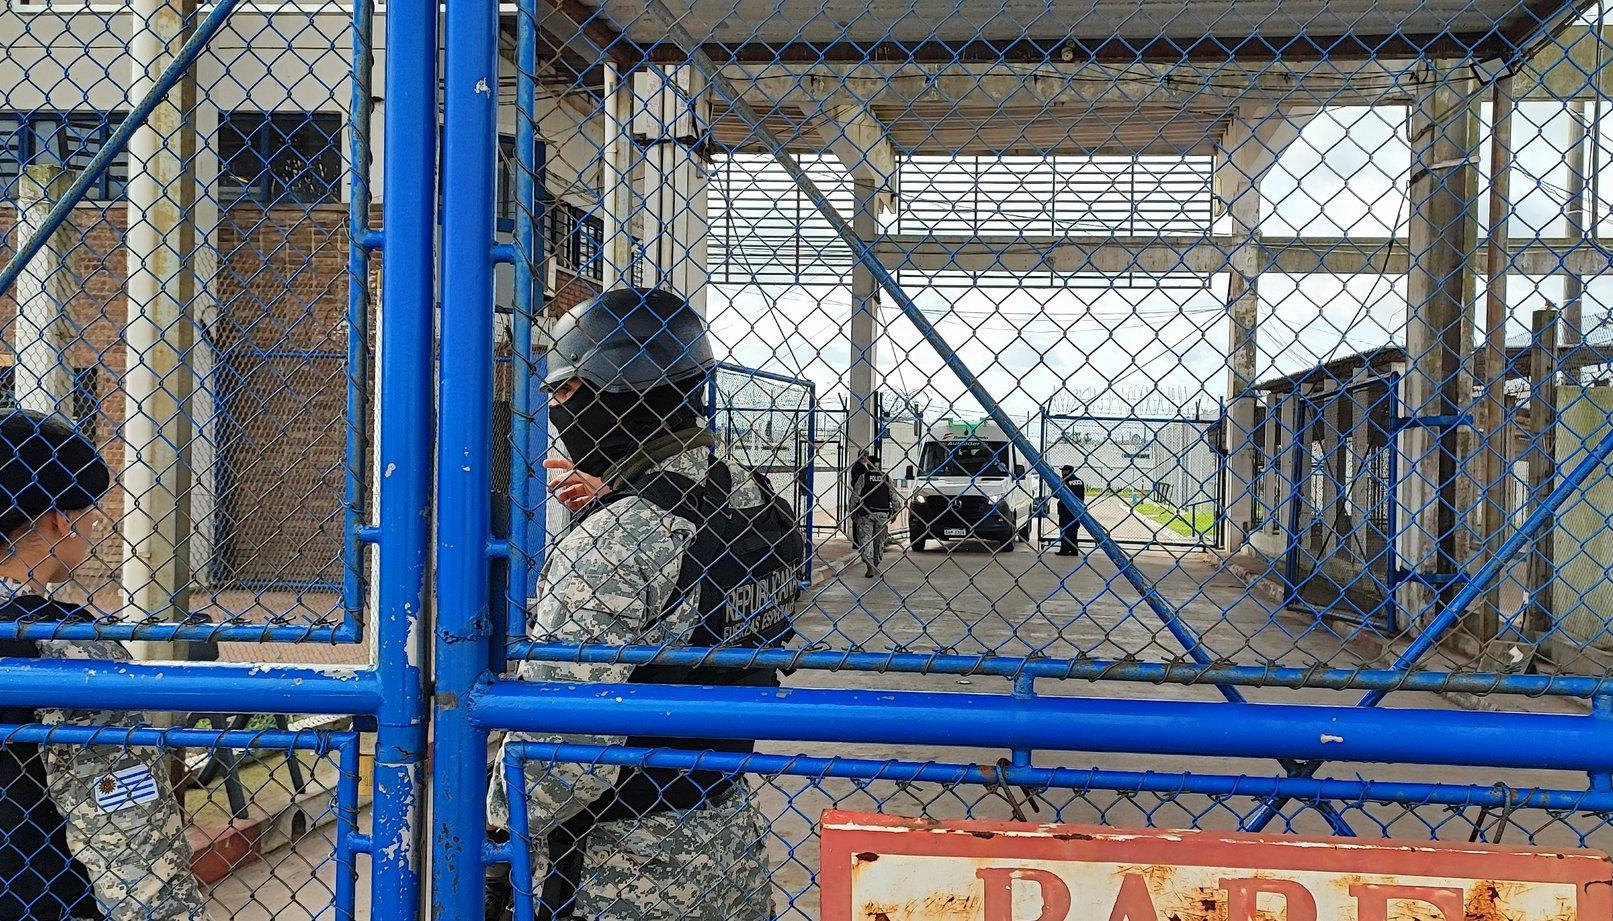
1439	286
667	120
616	180
1254	140
1495	453
160	332
862	422
1243	355
43	379
1572	317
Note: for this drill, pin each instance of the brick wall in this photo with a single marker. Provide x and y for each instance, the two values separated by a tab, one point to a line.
279	383
282	340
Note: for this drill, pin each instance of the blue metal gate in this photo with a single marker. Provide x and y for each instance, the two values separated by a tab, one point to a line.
996	201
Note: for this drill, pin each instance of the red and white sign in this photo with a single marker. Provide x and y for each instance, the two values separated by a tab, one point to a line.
885	868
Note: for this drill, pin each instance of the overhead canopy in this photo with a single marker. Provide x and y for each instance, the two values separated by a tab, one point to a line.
1041	30
954	128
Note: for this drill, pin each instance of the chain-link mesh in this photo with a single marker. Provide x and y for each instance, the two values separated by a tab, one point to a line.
1255	350
1278	310
198	310
241	818
755	853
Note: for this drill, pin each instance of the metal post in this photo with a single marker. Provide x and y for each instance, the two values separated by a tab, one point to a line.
403	454
1540	614
1574	210
861	426
1438	288
358	310
43	338
1492	414
159	332
464	475
529	429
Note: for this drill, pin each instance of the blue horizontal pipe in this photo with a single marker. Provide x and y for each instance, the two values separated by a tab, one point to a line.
303	739
185	633
189	686
1280	676
1037	778
1161	727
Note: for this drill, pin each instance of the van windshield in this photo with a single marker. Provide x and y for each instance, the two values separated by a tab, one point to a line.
965	458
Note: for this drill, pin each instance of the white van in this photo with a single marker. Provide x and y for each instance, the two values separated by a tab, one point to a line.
968	482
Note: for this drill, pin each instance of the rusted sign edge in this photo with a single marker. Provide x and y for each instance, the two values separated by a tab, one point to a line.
1591	872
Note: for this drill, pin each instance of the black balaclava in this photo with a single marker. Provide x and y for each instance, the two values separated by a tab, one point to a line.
599	429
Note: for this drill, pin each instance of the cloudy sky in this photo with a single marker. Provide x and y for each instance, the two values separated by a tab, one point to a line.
1029	343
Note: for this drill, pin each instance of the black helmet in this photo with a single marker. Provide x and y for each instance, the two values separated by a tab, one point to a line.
45	465
630	340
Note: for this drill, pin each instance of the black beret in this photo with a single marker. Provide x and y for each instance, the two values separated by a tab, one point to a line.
46	465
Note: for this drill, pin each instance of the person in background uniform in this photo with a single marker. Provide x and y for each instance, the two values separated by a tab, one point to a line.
1069	522
870	521
85	831
626	382
854	480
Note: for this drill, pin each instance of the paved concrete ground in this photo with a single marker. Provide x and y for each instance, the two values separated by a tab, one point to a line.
969	599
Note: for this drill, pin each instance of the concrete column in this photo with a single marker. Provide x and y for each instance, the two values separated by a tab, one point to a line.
1254	140
1439	286
1243	355
43	379
1572	331
667	121
160	332
1495	454
616	179
862	423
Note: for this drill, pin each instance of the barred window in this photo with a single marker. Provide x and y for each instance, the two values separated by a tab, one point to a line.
67	139
280	158
86	399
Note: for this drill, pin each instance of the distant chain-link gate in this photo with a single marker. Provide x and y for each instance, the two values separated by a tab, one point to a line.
1371	238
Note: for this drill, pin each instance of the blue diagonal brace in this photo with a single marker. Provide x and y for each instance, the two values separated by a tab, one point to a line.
740	108
119	140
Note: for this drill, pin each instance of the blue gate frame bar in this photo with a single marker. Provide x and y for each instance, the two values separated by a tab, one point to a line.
1041	778
1087	724
464	477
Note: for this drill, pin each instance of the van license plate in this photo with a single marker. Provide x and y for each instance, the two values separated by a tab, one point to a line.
954	532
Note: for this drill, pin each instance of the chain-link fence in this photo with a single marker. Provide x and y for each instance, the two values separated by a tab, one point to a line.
198	307
1280	314
1169	361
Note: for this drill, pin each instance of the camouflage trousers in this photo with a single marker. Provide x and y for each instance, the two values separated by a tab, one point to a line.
706	865
871	530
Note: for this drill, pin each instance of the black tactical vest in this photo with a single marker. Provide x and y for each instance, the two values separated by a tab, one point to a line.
743	570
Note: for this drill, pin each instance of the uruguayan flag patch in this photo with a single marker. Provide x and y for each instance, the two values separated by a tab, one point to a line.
132	786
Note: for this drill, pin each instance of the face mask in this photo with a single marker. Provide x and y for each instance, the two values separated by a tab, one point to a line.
599	430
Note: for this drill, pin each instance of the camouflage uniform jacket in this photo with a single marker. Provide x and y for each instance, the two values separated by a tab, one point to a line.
123	820
608	580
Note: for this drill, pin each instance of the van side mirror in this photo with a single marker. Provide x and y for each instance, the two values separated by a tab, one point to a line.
1019	470
910	471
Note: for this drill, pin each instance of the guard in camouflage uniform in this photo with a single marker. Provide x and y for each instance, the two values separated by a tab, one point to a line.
89	831
669	546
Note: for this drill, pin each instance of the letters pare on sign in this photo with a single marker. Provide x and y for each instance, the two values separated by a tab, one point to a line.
886	868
